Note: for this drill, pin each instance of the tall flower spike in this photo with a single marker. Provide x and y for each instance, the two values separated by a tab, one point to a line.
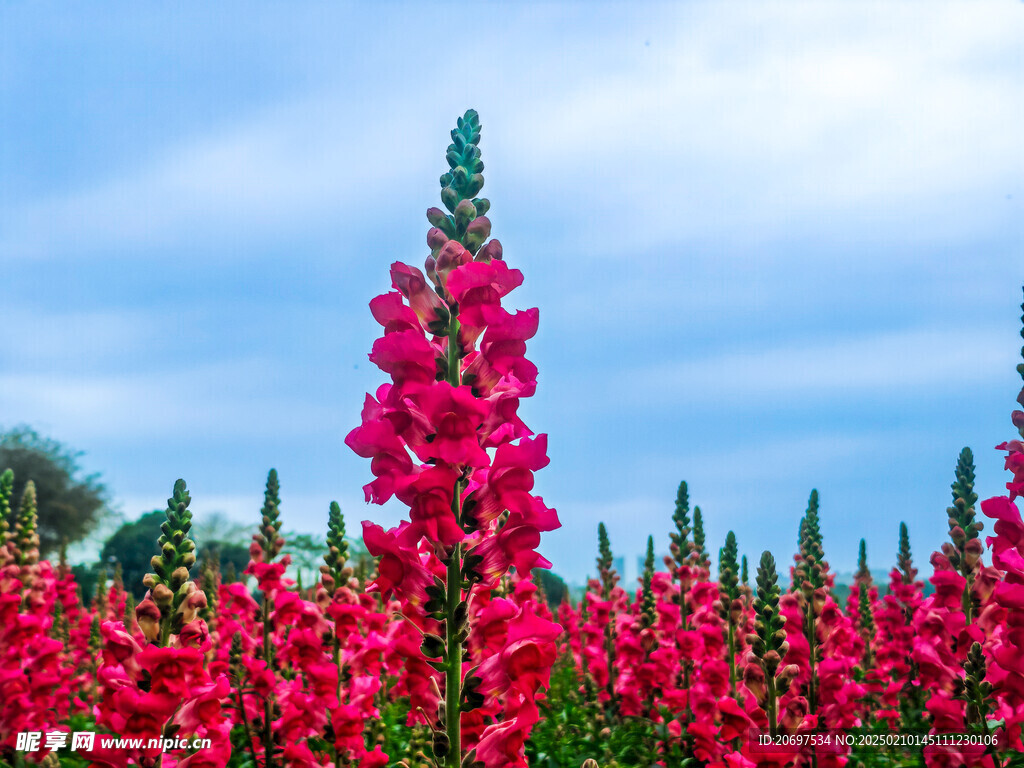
810	580
269	537
609	578
863	574
26	540
6	492
732	608
867	619
744	572
444	438
965	548
973	688
208	571
699	552
728	570
904	559
337	549
169	583
961	515
649	611
811	569
605	562
681	517
768	644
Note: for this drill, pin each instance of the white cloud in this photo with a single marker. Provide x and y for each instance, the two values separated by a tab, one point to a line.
36	339
896	364
215	399
308	161
733	122
737	489
790	115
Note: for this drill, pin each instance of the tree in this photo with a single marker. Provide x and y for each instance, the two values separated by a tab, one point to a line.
227	553
219	537
307	555
217	528
553	586
69	505
132	545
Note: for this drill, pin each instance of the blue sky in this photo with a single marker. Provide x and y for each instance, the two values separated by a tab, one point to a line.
775	247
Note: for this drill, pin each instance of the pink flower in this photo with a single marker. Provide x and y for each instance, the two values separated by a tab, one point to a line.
508	481
504	344
171	670
377	439
390	311
1008	543
501	745
515	543
400	570
407	356
203	708
429	497
455	414
478	288
425	304
525	662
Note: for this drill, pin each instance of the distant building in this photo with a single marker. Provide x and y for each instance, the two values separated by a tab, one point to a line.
659	565
619	564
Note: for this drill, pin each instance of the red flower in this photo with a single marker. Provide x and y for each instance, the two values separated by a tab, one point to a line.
171	670
501	745
504	345
515	543
478	288
429	497
377	439
400	570
525	662
407	356
424	303
455	415
507	483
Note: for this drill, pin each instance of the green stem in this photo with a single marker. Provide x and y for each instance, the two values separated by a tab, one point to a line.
337	659
812	688
454	354
268	704
966	599
245	724
609	647
732	657
453	645
979	702
688	716
453	674
812	694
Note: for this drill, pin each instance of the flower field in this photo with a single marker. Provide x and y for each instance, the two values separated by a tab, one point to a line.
446	652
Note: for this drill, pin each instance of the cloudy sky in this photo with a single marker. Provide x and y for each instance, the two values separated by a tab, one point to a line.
775	246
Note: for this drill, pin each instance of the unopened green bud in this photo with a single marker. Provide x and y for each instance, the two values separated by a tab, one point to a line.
441	745
476	233
450	198
465	212
162	596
